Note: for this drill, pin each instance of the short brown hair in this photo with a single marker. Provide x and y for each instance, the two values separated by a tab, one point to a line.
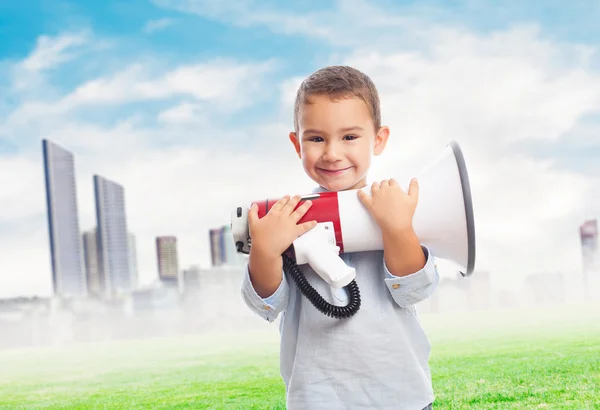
339	82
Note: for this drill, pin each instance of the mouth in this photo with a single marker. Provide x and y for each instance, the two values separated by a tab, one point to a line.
333	172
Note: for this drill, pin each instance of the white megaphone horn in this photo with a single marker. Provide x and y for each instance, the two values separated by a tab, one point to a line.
443	221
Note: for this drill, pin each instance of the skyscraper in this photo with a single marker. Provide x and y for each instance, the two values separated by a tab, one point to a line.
133	269
166	252
588	232
222	248
68	277
92	271
113	241
216	247
231	255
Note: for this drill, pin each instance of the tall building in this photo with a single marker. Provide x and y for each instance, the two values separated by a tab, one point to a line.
133	268
588	233
222	247
113	240
231	256
166	253
216	247
68	277
92	271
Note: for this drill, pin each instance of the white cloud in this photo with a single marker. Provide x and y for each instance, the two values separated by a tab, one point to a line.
492	94
28	76
221	86
22	186
182	113
53	51
348	23
219	81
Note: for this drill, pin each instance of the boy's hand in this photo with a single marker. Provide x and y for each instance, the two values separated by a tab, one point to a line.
279	228
390	206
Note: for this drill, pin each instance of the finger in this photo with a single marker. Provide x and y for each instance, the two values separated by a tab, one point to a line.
375	188
291	205
301	210
383	184
394	183
280	204
365	198
253	214
413	189
305	227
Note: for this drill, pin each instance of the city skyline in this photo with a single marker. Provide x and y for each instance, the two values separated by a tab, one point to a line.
107	250
108	255
100	261
194	129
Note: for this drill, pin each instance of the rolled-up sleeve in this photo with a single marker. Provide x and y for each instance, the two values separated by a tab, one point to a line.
415	287
267	308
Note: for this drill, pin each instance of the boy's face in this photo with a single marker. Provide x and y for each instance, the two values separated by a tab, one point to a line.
336	141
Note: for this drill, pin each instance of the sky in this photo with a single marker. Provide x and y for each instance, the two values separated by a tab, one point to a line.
188	105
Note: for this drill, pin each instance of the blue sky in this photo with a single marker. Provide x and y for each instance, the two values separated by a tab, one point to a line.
195	33
178	32
188	104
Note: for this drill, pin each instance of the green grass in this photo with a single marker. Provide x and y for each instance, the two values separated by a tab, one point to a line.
517	360
487	360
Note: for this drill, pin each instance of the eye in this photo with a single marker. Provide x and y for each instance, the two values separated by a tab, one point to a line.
350	137
315	139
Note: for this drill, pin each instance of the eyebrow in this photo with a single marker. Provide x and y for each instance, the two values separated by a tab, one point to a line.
347	129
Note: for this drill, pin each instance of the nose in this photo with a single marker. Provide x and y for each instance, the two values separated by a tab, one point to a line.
332	153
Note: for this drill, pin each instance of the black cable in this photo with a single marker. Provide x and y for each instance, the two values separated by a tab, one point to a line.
338	312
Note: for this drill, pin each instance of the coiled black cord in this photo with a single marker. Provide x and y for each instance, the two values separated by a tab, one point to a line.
338	312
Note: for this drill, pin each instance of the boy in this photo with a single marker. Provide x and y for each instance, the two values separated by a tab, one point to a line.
378	358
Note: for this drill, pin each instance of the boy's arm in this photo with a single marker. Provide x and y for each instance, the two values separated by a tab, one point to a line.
264	288
410	273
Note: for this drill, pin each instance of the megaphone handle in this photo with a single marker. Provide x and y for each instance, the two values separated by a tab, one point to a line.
338	312
324	259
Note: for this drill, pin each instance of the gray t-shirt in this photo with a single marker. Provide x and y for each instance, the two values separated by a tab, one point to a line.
376	359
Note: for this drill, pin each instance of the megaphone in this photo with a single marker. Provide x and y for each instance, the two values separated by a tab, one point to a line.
443	221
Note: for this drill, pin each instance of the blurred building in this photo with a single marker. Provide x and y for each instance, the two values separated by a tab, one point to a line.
479	289
212	297
112	236
191	278
222	247
68	277
133	268
216	247
95	279
588	233
92	270
546	289
153	298
168	264
458	293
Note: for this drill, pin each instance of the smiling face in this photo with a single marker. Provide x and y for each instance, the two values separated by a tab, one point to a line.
336	140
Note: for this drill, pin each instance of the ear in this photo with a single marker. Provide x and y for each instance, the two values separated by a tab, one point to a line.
381	140
296	143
